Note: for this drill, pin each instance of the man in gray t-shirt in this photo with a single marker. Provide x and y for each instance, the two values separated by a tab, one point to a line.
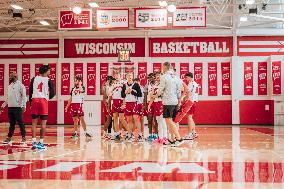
170	90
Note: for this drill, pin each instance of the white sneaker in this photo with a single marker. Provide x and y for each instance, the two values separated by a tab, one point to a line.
177	143
191	136
195	135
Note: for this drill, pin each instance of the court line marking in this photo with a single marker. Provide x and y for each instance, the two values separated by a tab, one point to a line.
60	155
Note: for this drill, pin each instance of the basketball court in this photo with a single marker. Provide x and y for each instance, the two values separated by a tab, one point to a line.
232	49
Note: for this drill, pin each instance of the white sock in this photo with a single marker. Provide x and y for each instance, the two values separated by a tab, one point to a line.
160	126
165	128
76	132
41	140
34	139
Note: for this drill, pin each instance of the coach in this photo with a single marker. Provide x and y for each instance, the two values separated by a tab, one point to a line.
16	100
170	90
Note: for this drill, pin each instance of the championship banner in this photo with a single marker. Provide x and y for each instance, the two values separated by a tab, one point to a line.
157	67
117	68
262	78
248	78
112	18
276	77
65	78
142	73
184	69
37	66
198	75
12	68
91	78
150	18
26	77
191	47
52	75
129	68
2	69
226	78
103	73
78	48
173	65
69	20
78	70
212	79
189	17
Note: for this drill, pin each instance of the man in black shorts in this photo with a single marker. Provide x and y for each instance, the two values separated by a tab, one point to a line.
170	90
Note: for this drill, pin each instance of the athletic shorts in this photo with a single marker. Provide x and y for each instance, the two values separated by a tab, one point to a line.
130	108
150	111
138	110
157	108
116	106
77	110
169	111
192	109
39	108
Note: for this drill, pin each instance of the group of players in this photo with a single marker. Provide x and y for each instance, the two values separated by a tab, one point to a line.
126	102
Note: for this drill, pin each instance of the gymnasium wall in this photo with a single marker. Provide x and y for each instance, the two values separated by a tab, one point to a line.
217	105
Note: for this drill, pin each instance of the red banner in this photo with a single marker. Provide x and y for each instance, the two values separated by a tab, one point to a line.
248	78
2	75
191	47
142	73
129	68
198	75
52	75
65	78
91	78
103	73
37	66
212	79
12	68
70	20
276	77
184	69
35	48
78	70
262	78
157	67
26	76
117	68
226	78
75	48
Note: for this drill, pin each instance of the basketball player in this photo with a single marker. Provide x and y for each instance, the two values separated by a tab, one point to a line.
116	109
139	107
107	107
170	90
157	105
41	90
76	102
193	96
131	92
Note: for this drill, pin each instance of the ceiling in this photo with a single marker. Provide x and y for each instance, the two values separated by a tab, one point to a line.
223	14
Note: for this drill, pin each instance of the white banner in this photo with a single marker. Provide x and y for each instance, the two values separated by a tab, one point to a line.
112	18
151	18
190	17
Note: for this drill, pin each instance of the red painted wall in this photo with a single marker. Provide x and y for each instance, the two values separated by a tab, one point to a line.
213	112
253	112
52	114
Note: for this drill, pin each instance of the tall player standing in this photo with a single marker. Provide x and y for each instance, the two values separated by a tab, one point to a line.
41	91
193	91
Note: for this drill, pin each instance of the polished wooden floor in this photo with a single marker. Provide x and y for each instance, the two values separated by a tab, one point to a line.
221	157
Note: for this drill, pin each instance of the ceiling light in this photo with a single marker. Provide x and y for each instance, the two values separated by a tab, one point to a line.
163	3
45	23
93	5
77	10
17	7
172	8
243	18
250	2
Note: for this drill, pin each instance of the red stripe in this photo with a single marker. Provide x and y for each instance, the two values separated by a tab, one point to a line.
259	53
261	46
35	41
262	38
29	49
29	56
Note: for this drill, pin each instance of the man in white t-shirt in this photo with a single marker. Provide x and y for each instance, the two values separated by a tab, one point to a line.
193	90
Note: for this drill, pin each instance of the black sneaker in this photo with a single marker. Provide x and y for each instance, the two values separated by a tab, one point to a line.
8	140
117	138
74	136
88	135
177	143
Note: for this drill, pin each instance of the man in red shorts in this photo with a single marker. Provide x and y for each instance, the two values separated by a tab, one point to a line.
131	92
76	102
193	96
41	91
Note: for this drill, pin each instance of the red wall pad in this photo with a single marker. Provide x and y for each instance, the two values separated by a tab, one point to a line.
253	112
67	116
213	111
